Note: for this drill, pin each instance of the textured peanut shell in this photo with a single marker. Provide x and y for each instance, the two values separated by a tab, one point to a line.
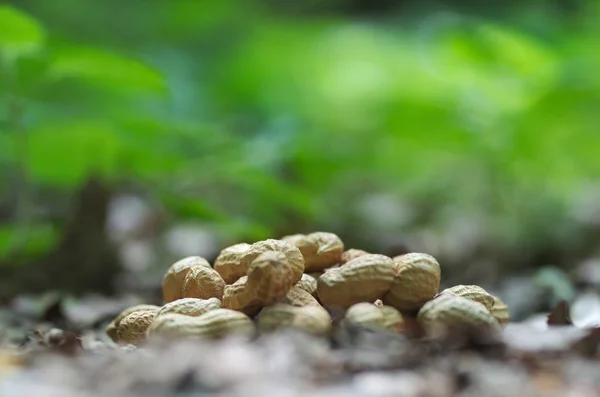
448	310
175	276
132	328
111	329
270	276
293	239
319	249
299	297
371	315
190	306
363	279
472	292
500	311
417	281
203	283
228	263
311	319
308	283
238	296
216	323
292	254
350	254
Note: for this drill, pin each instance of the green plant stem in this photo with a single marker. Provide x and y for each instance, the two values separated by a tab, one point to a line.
21	180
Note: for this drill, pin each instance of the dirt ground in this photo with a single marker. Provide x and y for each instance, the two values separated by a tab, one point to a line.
549	357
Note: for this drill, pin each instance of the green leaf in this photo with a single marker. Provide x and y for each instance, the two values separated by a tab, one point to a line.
40	238
64	154
106	70
20	34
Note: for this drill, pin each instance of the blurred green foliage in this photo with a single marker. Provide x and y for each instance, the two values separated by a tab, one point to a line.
263	122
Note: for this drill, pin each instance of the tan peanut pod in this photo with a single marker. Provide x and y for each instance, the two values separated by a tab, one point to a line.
238	296
292	254
203	283
228	263
132	328
417	281
190	306
363	279
450	310
293	239
300	297
319	249
308	283
175	276
371	315
270	276
472	292
500	311
311	319
216	323
350	254
111	329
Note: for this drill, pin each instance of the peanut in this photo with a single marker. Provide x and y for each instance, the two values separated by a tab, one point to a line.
363	279
238	296
132	328
228	262
309	284
190	306
417	280
216	323
292	254
299	297
352	253
472	292
500	311
319	249
378	316
175	276
294	239
270	276
111	329
450	310
203	283
311	319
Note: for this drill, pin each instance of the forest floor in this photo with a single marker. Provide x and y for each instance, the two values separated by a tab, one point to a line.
548	358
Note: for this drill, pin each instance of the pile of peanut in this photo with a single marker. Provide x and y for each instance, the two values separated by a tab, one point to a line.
298	282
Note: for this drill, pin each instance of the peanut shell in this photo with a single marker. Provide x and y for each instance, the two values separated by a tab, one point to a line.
449	310
500	311
417	281
363	279
270	276
350	254
308	283
111	329
175	276
228	262
311	319
238	296
216	323
368	314
203	283
472	292
190	306
319	249
132	328
292	254
300	297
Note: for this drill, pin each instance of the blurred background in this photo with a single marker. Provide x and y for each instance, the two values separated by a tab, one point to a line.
134	133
